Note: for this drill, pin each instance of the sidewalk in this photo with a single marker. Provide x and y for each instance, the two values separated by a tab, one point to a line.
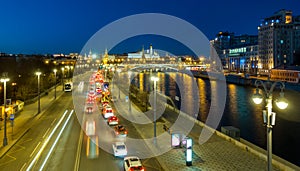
218	153
23	120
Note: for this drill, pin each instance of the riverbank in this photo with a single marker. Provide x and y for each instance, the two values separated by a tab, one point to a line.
240	79
243	146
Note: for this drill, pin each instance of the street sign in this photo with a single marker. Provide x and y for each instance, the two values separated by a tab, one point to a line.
12	117
177	98
175	139
126	99
8	101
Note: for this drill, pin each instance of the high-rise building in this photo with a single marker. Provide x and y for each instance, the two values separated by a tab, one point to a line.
237	53
276	41
222	41
296	56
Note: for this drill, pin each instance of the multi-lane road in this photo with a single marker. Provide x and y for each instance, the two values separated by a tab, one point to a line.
55	141
24	151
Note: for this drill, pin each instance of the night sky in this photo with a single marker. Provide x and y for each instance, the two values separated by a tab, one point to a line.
61	26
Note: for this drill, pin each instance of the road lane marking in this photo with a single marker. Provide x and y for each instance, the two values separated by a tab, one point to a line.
35	149
9	161
53	121
76	167
20	146
56	140
46	142
23	167
46	132
29	139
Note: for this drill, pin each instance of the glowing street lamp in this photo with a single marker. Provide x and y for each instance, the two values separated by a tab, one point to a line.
155	79
268	115
39	100
4	80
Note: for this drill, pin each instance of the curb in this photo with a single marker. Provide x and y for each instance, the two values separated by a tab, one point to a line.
249	147
5	149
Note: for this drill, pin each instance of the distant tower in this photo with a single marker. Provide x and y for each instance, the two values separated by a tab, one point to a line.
90	53
151	51
105	57
106	52
143	53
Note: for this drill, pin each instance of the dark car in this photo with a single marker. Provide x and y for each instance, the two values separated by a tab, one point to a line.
120	130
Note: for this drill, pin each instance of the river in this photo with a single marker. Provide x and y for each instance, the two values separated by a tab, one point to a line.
239	110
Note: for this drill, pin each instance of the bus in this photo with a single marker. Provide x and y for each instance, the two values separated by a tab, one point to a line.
68	86
92	150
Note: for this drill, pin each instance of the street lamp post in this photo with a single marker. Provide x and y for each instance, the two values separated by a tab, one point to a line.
119	70
62	78
14	91
129	103
113	71
71	71
68	72
155	79
39	100
268	115
55	70
4	80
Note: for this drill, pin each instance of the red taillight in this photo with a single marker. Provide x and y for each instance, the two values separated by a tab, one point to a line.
125	132
117	133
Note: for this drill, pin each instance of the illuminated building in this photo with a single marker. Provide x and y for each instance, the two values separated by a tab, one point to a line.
237	53
242	59
276	40
146	54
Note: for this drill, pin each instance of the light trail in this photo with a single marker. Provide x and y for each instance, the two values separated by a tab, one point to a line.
46	142
56	140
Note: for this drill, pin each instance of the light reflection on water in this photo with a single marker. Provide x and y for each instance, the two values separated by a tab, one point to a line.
239	110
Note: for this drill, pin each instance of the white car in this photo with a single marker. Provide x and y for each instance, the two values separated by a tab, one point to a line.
90	128
107	112
119	149
133	163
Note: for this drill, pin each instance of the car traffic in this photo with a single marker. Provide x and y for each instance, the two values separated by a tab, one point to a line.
98	98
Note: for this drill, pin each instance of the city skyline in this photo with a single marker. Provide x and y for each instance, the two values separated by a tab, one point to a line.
35	27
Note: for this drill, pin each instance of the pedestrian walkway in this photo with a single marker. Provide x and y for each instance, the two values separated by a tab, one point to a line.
24	119
218	153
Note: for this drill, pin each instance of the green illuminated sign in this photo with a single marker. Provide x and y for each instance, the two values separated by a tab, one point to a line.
237	50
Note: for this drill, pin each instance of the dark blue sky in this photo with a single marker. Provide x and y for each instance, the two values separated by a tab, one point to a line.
61	26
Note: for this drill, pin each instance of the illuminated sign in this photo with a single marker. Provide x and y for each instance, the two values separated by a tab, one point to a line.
189	152
175	140
237	50
188	155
